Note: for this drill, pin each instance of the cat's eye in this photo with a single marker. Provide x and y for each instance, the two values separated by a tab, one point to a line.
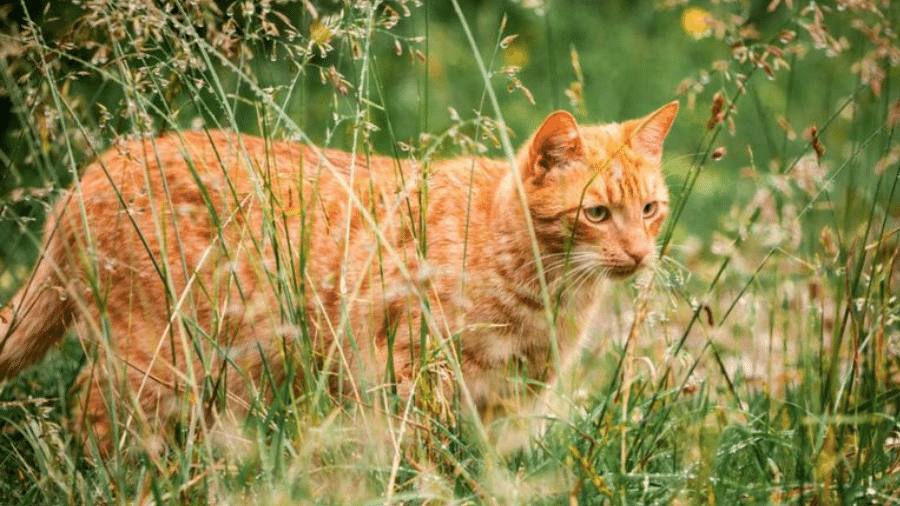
597	213
650	209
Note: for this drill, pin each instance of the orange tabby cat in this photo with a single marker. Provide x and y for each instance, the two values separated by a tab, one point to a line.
202	269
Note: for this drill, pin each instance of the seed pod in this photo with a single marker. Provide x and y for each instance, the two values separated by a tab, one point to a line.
717	113
787	36
894	115
816	142
709	314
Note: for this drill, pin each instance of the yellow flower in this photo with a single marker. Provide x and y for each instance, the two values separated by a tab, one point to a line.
693	21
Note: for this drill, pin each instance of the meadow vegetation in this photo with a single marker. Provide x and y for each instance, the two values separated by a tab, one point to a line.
759	363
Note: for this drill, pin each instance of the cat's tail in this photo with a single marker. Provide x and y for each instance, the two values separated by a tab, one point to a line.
38	315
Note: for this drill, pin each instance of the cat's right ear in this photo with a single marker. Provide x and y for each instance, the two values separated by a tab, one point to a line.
556	141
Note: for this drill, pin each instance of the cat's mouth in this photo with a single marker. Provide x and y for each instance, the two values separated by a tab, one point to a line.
622	271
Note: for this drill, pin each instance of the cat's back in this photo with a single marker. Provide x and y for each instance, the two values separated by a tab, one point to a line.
198	180
179	165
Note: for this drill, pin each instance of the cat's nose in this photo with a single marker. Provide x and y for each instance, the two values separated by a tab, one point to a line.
638	252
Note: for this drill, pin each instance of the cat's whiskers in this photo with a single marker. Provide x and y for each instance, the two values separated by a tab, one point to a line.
546	259
555	265
585	266
560	267
573	287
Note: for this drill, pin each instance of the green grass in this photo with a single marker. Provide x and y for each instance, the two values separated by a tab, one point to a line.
759	364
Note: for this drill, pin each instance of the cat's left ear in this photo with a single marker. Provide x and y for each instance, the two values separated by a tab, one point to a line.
556	142
646	135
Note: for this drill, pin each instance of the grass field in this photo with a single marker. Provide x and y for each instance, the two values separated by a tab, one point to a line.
759	363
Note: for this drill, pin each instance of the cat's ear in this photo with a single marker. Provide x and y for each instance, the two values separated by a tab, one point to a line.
646	135
556	141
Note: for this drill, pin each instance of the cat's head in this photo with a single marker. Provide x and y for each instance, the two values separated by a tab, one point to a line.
596	194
